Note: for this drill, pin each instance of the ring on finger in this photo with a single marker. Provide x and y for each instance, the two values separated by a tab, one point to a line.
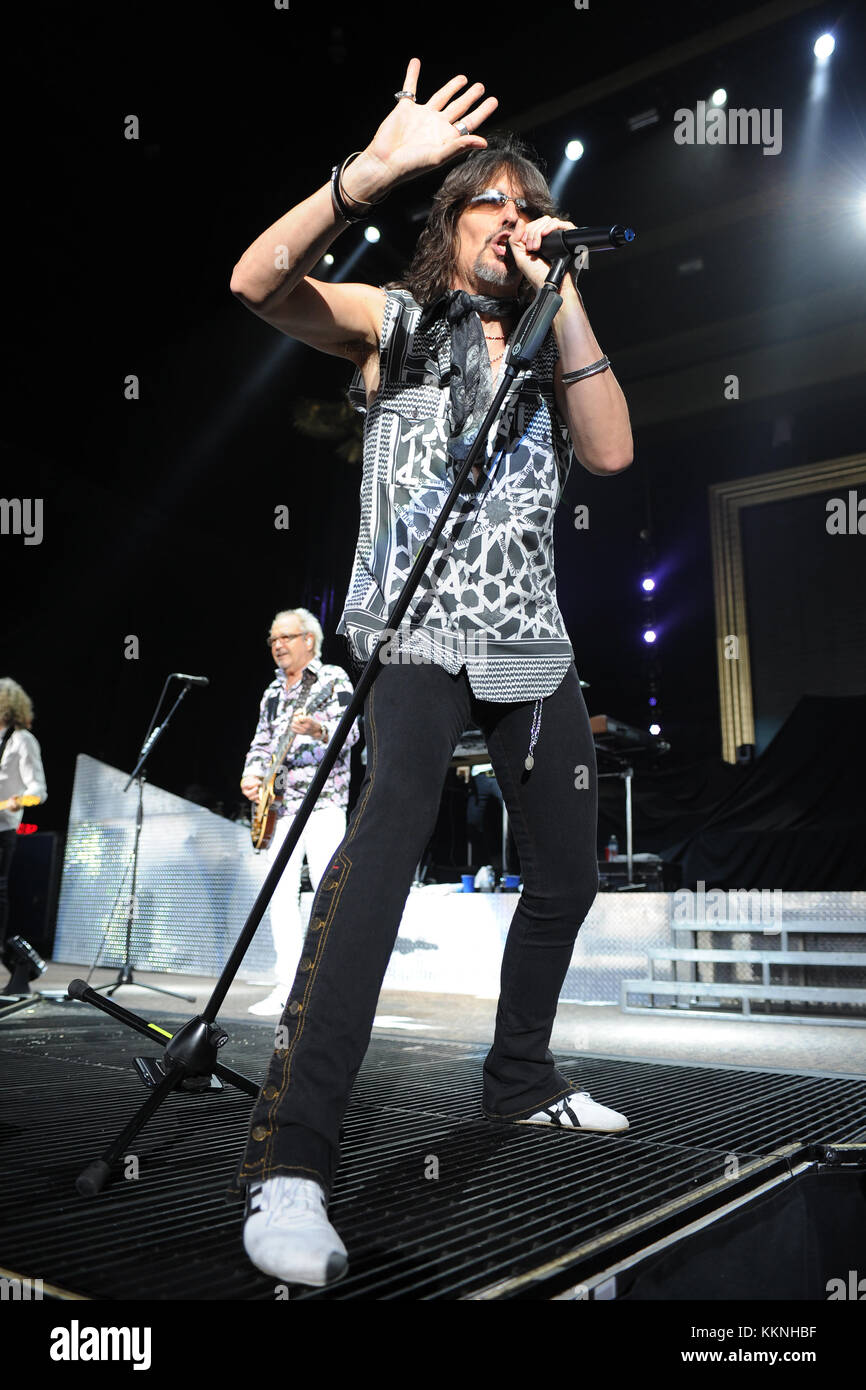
462	127
398	95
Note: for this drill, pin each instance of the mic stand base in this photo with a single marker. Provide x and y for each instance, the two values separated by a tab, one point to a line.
126	977
190	1055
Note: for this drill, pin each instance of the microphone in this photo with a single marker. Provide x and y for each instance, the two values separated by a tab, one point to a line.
563	243
190	680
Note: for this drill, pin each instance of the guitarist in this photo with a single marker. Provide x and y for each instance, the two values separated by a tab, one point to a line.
301	683
21	778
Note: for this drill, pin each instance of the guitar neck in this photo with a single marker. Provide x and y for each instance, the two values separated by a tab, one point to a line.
285	744
21	800
260	828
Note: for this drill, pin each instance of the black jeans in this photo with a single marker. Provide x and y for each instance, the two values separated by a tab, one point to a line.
414	716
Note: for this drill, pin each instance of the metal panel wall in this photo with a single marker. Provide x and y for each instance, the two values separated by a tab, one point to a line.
198	876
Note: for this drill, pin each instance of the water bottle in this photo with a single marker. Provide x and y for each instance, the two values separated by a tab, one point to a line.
612	848
485	880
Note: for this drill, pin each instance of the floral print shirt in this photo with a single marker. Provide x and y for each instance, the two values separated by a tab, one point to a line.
323	692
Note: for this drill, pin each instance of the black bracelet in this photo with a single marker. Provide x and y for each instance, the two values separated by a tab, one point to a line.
338	196
601	365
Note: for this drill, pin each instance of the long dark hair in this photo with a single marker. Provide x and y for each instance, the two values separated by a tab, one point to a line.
435	260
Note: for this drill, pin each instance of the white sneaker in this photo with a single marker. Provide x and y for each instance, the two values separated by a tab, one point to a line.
287	1233
273	1005
579	1111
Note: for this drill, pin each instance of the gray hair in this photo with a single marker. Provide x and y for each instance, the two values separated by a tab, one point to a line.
308	622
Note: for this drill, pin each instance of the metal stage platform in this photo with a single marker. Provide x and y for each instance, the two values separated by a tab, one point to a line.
432	1200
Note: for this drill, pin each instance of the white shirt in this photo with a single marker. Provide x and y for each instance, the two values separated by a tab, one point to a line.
21	774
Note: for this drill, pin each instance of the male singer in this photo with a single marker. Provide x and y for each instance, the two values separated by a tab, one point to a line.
484	634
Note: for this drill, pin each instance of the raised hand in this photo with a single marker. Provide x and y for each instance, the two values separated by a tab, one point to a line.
414	137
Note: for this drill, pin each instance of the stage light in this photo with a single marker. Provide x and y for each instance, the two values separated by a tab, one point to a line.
648	584
655	728
372	233
649	634
719	97
327	259
573	152
652	701
824	46
818	87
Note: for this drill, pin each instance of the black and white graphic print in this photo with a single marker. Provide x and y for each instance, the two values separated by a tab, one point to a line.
488	599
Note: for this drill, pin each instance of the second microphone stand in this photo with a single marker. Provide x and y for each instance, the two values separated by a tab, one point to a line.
125	974
191	1053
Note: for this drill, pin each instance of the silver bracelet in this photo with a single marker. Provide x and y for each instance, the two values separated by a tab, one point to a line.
600	366
361	210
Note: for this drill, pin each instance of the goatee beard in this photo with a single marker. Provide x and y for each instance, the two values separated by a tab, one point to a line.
500	273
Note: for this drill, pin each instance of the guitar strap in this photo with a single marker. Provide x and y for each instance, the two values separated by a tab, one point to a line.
5	739
302	695
308	680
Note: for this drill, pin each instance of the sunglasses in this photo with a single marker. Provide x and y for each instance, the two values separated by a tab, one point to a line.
495	198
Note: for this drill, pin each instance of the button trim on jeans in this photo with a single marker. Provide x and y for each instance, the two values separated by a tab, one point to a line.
260	1132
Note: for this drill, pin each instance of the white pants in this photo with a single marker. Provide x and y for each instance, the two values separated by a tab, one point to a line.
320	838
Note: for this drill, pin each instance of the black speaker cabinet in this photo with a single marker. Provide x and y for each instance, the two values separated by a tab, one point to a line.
34	880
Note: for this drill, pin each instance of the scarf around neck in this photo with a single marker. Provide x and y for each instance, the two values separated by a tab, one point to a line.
471	378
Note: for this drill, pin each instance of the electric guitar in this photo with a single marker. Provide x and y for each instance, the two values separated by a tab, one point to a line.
264	814
22	801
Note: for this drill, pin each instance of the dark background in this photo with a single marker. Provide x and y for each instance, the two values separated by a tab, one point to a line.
159	512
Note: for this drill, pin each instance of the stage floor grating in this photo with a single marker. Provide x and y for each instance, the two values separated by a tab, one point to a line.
432	1200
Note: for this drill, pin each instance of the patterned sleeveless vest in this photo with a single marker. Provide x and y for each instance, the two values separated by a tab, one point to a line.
488	598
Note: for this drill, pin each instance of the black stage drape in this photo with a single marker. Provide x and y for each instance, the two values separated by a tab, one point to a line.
794	819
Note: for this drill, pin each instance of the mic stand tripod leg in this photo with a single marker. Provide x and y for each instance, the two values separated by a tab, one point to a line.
125	977
94	1177
191	1052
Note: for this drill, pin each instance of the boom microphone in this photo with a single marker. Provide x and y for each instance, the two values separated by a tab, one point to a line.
190	680
563	243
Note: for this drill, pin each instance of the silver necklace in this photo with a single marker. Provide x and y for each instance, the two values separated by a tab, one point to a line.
529	761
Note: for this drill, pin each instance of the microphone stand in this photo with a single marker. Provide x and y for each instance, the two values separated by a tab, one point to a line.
125	974
191	1052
